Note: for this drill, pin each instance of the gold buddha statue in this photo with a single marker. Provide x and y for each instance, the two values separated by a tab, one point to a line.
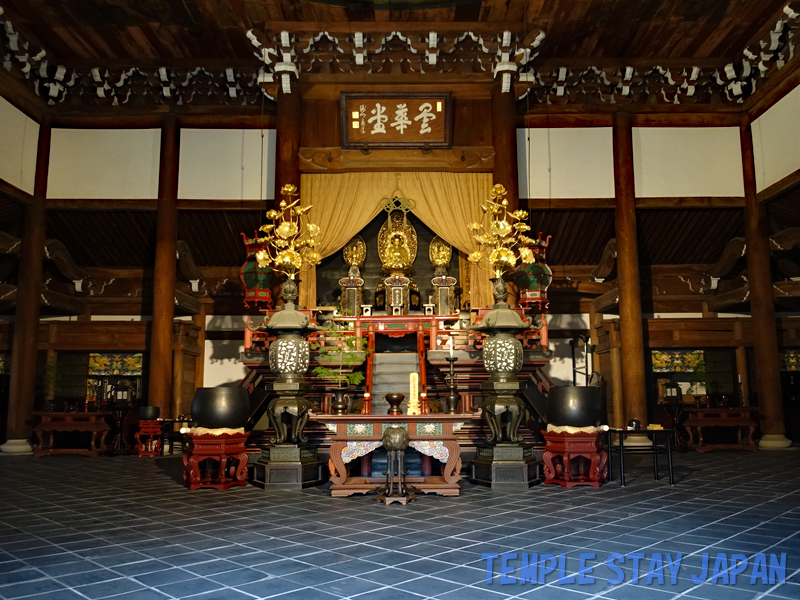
397	248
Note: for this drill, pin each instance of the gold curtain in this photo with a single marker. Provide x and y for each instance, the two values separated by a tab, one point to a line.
344	203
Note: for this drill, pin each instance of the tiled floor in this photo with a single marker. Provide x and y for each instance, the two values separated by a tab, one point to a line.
78	527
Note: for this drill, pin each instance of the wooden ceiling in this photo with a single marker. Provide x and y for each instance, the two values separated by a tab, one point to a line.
100	32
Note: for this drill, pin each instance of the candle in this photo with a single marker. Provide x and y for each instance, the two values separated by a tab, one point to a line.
451	346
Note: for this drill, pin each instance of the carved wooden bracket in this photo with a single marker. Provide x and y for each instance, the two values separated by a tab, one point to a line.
733	251
188	303
607	302
478	159
607	261
62	302
188	267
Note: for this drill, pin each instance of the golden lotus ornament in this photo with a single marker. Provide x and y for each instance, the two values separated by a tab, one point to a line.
289	241
500	235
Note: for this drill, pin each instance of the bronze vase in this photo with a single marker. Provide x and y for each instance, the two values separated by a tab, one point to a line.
394	400
340	405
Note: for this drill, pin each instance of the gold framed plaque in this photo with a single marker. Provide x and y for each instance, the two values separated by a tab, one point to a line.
396	120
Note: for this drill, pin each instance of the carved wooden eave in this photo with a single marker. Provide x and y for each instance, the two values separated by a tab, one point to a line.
666	84
467	158
481	50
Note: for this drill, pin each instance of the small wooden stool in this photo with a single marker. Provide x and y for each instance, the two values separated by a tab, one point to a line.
226	452
149	438
562	448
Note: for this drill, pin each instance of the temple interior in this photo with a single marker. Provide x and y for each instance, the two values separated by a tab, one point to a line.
399	299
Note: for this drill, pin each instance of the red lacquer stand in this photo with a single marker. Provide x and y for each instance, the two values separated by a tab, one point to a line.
148	438
586	449
215	461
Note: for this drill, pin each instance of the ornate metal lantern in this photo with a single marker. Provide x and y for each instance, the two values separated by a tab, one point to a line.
533	276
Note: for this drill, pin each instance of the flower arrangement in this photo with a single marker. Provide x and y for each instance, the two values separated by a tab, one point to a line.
500	236
289	242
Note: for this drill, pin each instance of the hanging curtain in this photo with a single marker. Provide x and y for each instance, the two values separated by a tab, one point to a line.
344	203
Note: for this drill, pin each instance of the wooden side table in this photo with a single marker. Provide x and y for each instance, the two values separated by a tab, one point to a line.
148	438
94	423
739	419
586	449
215	461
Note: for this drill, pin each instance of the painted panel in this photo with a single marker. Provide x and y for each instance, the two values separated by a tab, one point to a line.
20	137
775	141
565	163
226	164
104	164
678	162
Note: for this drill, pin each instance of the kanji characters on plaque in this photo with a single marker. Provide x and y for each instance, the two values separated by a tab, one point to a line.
401	121
396	120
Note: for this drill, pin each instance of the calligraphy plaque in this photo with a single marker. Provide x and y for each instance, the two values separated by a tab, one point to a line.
398	120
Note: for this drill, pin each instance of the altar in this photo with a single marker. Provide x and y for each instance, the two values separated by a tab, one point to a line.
356	436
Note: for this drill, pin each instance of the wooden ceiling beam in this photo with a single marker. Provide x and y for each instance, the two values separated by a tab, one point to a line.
13	192
152	205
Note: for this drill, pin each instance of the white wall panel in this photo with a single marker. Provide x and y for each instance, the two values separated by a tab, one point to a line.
687	161
225	164
565	163
19	138
104	163
776	141
222	366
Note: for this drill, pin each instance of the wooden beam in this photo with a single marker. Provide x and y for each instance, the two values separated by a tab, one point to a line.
691	202
13	192
17	93
57	252
641	203
151	205
476	159
567	203
774	89
211	117
607	302
777	188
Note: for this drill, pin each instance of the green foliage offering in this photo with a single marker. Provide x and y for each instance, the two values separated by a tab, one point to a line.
698	378
345	352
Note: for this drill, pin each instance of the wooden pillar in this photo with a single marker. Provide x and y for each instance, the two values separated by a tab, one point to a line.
741	363
199	371
630	303
287	164
504	140
160	390
26	315
762	307
741	369
616	388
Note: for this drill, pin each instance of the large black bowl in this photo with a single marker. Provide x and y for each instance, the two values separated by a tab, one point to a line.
575	406
149	413
218	407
